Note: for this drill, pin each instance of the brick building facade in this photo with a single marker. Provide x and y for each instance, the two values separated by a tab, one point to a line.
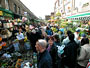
17	8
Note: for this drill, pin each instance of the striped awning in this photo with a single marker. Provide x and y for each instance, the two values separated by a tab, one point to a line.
79	15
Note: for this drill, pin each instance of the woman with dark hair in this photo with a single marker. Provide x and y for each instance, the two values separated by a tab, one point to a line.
66	40
57	43
53	51
84	56
57	40
84	41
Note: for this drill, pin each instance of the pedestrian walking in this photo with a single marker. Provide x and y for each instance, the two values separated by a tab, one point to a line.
70	53
33	37
52	49
84	56
44	58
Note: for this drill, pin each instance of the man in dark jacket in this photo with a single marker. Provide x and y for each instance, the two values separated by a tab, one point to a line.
33	37
44	58
70	52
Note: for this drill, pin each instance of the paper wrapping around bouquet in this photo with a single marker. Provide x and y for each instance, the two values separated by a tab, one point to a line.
15	23
19	23
4	36
7	36
10	25
6	25
31	27
26	64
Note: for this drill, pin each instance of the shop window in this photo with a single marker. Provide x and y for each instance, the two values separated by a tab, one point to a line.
6	4
15	8
61	1
19	10
86	4
68	0
0	3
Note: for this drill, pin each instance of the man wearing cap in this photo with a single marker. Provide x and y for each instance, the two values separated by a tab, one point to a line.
44	58
77	38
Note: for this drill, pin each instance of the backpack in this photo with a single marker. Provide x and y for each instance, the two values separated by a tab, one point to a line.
49	32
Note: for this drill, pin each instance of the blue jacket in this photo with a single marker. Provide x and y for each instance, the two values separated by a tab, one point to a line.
44	60
49	32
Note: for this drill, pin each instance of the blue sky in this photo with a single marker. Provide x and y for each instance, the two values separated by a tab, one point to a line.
40	7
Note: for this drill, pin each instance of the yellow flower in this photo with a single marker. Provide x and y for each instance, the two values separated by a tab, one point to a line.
25	39
0	47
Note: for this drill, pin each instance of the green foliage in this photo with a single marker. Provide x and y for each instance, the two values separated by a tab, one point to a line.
64	24
58	14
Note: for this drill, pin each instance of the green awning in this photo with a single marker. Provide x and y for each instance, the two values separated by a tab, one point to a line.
80	15
7	14
37	20
6	10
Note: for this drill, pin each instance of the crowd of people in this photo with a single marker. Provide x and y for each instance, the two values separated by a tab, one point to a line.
45	40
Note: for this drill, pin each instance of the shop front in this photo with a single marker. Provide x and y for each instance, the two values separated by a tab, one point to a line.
5	14
16	16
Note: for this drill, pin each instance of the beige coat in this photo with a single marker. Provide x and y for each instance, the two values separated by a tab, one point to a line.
84	55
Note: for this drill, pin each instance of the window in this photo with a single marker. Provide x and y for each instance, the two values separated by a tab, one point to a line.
60	1
15	8
68	0
86	4
6	4
19	10
0	3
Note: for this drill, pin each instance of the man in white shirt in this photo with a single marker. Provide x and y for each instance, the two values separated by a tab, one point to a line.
20	37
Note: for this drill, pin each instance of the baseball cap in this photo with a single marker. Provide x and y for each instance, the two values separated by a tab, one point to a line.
83	35
77	30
